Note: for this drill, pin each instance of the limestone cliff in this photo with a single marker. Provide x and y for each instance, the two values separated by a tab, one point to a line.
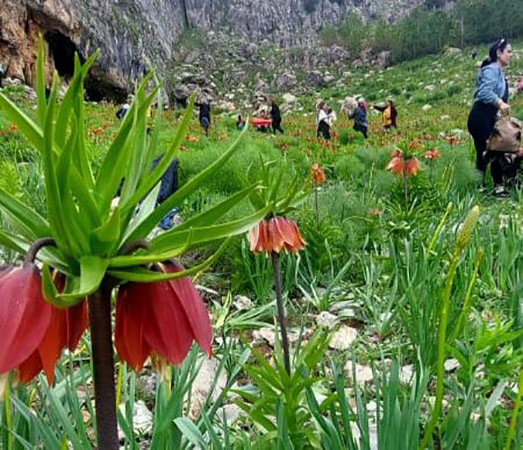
136	34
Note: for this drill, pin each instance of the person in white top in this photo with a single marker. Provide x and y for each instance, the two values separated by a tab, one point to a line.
322	121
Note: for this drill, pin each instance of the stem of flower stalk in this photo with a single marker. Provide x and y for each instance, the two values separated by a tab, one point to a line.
316	205
282	321
103	368
36	247
405	187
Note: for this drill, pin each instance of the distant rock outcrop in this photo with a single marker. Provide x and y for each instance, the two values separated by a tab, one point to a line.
137	35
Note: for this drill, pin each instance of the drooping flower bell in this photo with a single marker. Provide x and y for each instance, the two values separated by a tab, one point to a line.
432	154
34	332
317	174
275	235
399	166
162	318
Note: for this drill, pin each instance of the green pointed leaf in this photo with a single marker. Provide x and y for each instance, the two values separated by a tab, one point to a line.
176	199
156	174
139	274
216	212
26	125
41	105
116	160
106	237
92	272
137	163
12	242
35	224
171	243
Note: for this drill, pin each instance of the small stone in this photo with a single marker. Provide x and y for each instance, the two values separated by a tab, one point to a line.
451	364
231	411
242	303
363	373
406	373
142	419
202	385
426	107
264	334
326	319
343	338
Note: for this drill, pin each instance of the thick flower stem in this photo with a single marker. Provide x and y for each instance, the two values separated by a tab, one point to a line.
316	203
281	312
103	368
405	187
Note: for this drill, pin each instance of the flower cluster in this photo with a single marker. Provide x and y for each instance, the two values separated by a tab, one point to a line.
399	165
317	174
432	154
274	235
159	318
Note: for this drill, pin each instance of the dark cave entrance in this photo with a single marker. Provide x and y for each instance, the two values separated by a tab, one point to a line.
62	49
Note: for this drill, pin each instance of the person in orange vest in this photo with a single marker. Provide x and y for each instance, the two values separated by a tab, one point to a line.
388	115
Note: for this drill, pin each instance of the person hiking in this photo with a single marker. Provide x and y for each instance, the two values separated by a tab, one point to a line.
240	123
388	115
276	117
322	121
124	108
360	117
2	73
490	97
204	115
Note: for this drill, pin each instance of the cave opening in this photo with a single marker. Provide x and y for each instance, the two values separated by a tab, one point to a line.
62	49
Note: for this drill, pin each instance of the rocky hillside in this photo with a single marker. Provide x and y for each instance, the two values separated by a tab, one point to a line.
137	34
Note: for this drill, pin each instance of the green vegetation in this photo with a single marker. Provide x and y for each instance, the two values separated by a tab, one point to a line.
427	30
423	293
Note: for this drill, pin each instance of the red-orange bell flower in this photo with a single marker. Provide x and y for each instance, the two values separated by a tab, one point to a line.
317	174
33	332
398	165
161	318
432	154
65	330
275	235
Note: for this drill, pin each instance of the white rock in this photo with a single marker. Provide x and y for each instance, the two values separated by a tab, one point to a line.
232	413
289	98
426	107
343	338
451	364
363	373
264	334
326	319
142	419
242	303
406	373
202	385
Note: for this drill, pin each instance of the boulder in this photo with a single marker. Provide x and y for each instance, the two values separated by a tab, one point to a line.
285	81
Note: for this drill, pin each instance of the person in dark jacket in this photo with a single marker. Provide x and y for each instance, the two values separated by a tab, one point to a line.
204	115
276	117
322	121
2	73
360	118
490	96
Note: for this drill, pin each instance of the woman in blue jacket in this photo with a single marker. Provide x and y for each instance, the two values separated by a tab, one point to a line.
491	96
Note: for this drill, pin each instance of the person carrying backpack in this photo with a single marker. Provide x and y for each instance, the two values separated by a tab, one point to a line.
490	97
275	117
204	115
360	118
388	115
